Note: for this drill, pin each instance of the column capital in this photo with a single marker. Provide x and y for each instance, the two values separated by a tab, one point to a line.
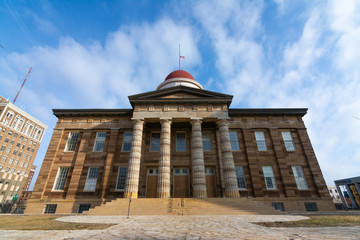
163	120
137	120
196	119
222	121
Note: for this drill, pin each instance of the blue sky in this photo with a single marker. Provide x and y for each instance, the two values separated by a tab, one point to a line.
93	54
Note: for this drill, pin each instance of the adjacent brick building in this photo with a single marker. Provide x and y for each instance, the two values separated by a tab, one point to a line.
20	138
179	141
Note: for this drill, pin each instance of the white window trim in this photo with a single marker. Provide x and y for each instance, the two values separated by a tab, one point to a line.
288	143
202	139
300	178
67	142
262	139
273	179
58	178
117	179
87	182
237	140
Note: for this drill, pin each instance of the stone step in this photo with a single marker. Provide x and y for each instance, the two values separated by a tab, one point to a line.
191	206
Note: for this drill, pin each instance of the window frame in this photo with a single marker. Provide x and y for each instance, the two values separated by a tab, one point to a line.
70	142
233	141
126	141
154	141
260	141
300	180
180	141
271	177
91	181
60	180
238	177
123	178
204	140
288	141
99	142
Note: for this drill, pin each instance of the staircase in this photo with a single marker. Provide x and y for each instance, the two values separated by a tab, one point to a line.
184	206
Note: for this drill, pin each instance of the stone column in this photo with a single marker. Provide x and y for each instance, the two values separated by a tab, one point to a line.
197	159
132	178
163	187
231	187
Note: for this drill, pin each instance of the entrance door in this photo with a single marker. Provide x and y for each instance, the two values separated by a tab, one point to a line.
151	182
210	182
181	183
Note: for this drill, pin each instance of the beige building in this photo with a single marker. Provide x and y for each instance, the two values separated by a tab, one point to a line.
20	138
179	142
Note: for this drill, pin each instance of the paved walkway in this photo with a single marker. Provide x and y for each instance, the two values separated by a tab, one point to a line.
187	227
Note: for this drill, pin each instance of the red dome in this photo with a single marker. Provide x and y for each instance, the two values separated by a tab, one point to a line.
179	74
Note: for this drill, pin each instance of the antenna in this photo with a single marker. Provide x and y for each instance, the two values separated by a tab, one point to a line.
27	75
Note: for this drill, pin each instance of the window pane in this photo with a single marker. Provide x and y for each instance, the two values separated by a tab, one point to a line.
260	141
206	140
99	142
269	177
121	180
155	142
299	177
288	141
71	141
180	141
234	141
127	141
240	177
61	178
91	180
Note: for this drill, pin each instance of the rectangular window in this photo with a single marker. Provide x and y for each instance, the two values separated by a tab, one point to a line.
7	140
2	148
269	177
91	179
299	177
18	144
8	150
7	169
11	160
99	142
234	141
121	179
260	141
127	140
240	177
71	141
311	206
206	141
180	141
50	208
155	142
4	158
288	141
84	207
61	178
15	152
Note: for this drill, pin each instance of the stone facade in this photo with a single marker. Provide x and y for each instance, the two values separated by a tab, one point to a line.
179	142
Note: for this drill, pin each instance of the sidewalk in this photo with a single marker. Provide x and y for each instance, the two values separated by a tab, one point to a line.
187	227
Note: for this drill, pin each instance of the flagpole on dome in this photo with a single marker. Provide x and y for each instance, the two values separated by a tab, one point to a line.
180	57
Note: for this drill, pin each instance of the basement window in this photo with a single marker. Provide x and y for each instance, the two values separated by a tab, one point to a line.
311	206
50	208
84	207
278	206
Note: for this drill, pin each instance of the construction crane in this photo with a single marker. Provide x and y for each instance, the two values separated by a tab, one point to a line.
27	75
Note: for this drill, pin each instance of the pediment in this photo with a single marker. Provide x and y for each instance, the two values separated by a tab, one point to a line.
180	94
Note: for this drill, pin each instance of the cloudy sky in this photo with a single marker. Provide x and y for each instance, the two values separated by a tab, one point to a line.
93	54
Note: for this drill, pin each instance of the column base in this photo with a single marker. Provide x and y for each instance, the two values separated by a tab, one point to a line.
130	194
199	194
163	195
232	194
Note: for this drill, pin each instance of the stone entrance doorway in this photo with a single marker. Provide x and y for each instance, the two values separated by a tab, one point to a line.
210	182
181	185
151	182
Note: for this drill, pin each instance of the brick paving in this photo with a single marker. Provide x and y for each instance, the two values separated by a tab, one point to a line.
187	227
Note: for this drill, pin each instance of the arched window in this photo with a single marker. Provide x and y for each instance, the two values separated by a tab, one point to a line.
38	135
15	121
34	132
8	117
19	124
30	129
26	127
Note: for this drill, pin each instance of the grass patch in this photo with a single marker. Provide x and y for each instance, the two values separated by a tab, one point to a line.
319	221
44	222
